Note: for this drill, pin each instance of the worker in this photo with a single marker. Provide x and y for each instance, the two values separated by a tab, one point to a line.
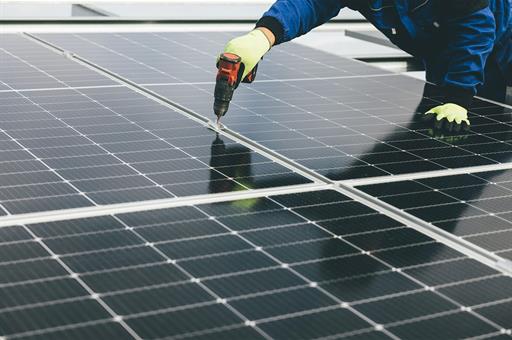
465	45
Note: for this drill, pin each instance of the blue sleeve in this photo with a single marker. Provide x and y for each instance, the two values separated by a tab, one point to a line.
470	42
298	17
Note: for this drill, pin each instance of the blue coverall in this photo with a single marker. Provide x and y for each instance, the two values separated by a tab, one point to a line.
466	45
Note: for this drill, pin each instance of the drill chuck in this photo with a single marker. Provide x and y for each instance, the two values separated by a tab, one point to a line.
220	107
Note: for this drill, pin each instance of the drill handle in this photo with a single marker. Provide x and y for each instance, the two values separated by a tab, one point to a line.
251	76
231	69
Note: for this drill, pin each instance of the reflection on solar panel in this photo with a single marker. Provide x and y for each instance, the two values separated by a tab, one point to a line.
285	266
301	261
476	207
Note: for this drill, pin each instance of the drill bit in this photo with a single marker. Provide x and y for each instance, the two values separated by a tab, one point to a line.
220	107
215	125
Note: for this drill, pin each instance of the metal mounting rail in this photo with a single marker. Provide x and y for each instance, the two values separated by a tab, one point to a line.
166	203
321	182
427	174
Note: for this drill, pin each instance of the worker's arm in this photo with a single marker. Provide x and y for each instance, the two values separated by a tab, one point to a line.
290	19
284	21
469	32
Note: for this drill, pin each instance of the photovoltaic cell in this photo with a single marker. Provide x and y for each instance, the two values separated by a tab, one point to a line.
476	207
210	271
343	128
27	65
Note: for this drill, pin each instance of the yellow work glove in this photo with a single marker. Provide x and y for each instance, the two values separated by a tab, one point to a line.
250	47
449	117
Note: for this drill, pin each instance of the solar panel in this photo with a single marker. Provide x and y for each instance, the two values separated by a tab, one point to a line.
286	266
361	124
475	206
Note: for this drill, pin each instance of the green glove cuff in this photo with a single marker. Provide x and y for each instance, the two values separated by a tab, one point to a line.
250	48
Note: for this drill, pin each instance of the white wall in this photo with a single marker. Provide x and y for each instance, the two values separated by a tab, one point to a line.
34	10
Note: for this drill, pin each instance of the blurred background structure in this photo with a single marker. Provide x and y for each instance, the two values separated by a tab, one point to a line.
347	35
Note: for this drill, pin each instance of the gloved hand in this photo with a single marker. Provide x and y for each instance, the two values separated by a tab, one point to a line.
250	48
449	117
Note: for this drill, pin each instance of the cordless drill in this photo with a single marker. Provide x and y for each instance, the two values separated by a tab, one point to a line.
228	78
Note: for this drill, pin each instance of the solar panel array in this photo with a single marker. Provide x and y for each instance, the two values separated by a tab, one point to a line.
302	265
289	260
